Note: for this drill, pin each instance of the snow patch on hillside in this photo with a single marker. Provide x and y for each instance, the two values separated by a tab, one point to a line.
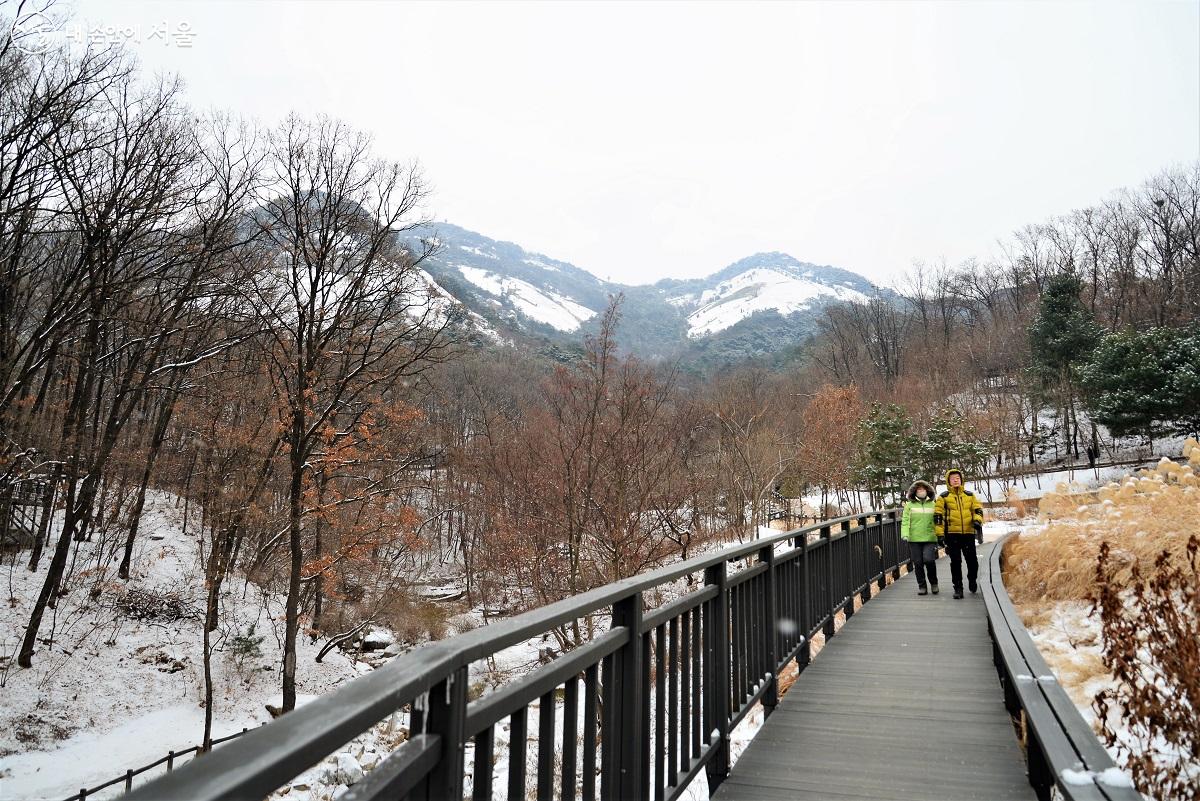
544	306
760	289
479	252
112	691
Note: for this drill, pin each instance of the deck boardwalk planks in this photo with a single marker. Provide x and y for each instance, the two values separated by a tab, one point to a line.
903	703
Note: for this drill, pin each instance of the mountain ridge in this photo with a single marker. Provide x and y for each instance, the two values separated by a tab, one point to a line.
757	306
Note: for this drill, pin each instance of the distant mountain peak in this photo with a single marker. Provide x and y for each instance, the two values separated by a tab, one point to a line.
538	299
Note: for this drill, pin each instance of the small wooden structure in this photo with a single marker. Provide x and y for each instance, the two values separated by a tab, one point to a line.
25	505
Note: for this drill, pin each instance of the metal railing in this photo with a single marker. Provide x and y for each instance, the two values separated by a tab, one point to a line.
645	706
127	777
1060	748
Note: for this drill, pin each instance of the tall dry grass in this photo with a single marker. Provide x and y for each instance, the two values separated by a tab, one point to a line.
1140	517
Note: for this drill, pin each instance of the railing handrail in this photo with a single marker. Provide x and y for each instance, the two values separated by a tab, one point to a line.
267	758
1059	739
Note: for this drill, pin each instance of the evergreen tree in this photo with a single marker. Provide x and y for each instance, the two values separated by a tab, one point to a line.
887	446
1062	335
1145	382
947	443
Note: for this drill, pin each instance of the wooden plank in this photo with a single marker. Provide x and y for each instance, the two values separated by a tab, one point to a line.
904	703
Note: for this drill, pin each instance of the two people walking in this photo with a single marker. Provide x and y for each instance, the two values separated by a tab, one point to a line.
954	519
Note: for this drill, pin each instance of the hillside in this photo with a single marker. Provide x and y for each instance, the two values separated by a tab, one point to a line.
758	306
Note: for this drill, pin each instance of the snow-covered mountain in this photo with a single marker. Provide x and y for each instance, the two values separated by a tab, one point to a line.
764	282
510	286
765	302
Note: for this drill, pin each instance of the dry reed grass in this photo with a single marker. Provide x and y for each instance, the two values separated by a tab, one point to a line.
1140	517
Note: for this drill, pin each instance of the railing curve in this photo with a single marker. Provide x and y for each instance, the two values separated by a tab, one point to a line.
1061	750
649	703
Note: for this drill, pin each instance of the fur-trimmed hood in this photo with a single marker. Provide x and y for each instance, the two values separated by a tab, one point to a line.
930	492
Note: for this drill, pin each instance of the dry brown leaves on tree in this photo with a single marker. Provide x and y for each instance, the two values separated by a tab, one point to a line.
1151	644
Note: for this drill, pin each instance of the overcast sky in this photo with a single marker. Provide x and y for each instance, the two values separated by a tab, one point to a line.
640	141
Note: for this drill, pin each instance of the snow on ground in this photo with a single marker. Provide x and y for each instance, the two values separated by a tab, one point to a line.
997	490
542	305
755	290
115	693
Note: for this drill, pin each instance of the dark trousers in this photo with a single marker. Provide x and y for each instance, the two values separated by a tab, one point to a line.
924	559
959	547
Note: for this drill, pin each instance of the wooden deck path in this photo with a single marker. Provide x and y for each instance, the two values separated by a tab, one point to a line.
903	703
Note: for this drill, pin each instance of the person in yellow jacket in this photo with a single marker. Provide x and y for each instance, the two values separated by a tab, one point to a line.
957	519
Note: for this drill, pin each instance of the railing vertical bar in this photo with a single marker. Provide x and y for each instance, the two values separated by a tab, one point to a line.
545	748
736	658
685	690
672	702
644	680
698	705
803	576
624	720
446	716
830	578
771	634
848	571
882	531
608	737
590	699
570	736
517	743
716	672
484	748
660	710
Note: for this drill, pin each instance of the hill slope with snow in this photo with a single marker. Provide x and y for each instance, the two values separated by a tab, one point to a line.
528	296
766	282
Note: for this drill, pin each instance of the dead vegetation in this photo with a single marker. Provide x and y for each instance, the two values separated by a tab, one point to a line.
1140	517
1131	553
1151	644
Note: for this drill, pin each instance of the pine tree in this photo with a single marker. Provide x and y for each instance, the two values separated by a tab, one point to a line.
1062	335
949	443
1145	382
885	462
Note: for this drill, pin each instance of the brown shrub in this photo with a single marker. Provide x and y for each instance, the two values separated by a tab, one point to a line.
1151	644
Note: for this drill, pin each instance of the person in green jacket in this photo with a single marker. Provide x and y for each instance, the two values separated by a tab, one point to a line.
916	528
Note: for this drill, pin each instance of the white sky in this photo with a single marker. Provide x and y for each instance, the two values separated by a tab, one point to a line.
643	141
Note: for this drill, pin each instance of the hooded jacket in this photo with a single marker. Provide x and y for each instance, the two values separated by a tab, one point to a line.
957	509
916	522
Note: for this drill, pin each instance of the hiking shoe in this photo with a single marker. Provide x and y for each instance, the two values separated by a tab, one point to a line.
958	594
972	587
933	589
922	591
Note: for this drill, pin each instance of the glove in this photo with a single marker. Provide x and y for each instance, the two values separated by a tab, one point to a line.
978	531
941	542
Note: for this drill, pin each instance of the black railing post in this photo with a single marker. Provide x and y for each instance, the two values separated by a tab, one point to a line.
446	716
770	629
805	623
847	571
894	538
831	598
1040	775
883	528
863	559
716	678
622	724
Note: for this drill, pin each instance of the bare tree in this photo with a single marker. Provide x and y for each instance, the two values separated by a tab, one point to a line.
346	308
